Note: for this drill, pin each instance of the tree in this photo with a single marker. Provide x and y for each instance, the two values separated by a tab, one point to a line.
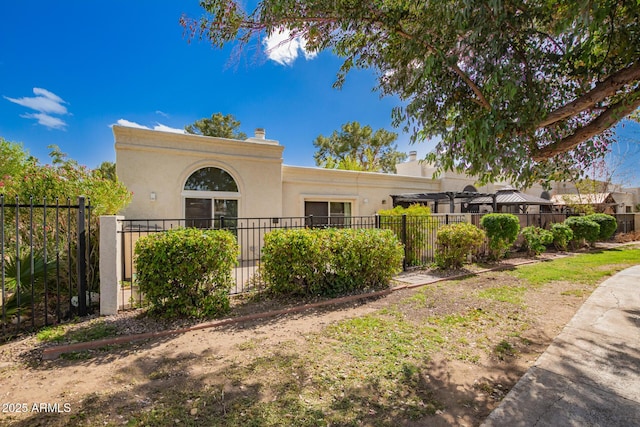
218	125
358	148
519	90
106	170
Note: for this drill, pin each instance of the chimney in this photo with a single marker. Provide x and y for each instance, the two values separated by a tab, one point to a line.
260	133
413	156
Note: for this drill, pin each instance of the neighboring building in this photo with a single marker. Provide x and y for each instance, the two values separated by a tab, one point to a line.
194	177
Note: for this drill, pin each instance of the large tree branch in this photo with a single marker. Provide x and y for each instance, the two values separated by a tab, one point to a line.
482	100
602	90
604	121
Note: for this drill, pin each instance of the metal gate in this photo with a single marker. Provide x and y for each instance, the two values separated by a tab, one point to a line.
48	260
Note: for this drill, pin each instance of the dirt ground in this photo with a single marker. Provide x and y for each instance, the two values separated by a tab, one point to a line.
467	389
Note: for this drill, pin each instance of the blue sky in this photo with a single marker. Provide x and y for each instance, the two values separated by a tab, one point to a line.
71	69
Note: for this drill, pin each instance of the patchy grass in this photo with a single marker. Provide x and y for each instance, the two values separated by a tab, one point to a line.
390	367
93	330
585	268
509	294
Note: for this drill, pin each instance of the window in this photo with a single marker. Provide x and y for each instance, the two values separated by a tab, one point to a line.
328	213
211	179
210	194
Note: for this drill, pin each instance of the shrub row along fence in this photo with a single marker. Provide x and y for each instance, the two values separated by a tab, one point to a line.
417	233
45	260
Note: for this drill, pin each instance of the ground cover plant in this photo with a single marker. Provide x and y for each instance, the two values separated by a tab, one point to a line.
442	354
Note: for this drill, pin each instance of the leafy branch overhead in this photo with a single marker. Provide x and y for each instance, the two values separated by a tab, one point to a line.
520	90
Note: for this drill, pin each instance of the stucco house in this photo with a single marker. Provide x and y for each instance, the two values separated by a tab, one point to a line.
188	176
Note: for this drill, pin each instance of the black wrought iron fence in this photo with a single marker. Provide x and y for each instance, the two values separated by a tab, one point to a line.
44	259
416	233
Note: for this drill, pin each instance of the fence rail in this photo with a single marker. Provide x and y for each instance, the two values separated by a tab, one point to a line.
43	257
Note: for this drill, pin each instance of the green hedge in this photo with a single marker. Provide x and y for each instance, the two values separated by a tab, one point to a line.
608	225
502	230
562	235
455	242
583	229
187	271
329	262
536	239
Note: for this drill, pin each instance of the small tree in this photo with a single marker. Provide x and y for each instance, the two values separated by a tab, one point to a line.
502	230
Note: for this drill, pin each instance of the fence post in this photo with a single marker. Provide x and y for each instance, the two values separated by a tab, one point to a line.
82	260
110	264
404	241
377	220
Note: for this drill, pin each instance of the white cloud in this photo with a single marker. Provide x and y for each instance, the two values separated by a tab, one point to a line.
283	48
164	128
158	126
46	120
127	123
45	103
162	113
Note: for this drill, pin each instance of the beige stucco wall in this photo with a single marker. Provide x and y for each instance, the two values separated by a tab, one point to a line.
160	162
368	192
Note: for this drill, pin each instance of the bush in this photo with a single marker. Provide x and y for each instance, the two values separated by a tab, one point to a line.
536	239
583	229
608	225
292	261
329	262
562	235
502	230
455	242
187	271
419	225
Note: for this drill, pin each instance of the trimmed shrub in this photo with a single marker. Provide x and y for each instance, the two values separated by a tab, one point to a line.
502	230
419	225
329	262
608	225
187	271
455	242
536	239
292	261
562	235
583	229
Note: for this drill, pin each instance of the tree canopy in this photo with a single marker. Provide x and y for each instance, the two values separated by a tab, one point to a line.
358	148
219	125
24	176
515	89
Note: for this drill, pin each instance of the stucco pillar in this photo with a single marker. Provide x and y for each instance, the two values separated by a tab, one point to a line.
110	263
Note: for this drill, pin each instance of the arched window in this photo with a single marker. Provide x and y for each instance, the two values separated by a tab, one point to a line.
470	189
210	194
211	179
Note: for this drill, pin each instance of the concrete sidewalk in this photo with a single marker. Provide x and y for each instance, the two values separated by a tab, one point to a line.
590	374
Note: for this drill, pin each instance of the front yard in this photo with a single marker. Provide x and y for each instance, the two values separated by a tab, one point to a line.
442	354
